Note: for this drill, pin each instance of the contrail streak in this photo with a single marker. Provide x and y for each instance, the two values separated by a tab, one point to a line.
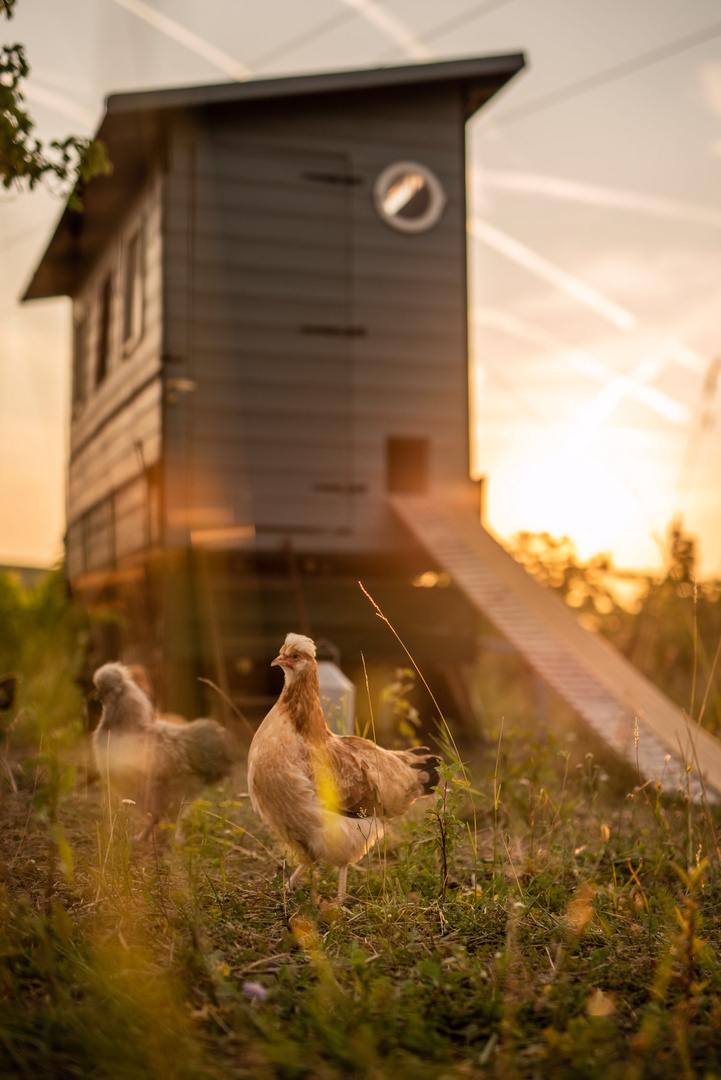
519	328
629	384
555	187
615	387
59	103
172	29
389	25
688	358
554	275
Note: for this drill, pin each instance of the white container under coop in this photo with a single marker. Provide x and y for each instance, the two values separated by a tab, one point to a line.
337	698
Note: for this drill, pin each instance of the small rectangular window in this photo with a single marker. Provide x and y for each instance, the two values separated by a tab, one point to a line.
133	289
131	517
80	344
407	465
103	350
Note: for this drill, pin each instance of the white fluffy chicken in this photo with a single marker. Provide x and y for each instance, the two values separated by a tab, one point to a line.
326	795
157	763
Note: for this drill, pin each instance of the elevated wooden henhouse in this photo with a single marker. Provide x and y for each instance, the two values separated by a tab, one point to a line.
270	391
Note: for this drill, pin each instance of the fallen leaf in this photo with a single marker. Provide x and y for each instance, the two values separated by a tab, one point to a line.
600	1004
329	911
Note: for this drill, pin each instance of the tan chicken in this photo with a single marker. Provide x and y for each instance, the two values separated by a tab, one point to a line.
326	795
159	764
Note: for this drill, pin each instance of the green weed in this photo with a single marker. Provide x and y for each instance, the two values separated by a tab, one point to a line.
532	921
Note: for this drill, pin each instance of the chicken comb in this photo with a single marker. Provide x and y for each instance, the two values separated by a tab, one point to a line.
301	643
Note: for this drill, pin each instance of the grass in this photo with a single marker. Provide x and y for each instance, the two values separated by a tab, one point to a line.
573	941
544	916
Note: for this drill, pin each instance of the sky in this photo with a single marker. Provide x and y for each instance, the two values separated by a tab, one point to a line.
594	242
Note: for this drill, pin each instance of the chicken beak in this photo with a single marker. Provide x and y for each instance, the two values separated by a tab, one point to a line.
278	660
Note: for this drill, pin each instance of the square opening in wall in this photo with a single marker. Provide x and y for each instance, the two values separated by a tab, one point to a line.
407	465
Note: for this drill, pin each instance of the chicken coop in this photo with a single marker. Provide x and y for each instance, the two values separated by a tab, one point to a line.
270	404
269	312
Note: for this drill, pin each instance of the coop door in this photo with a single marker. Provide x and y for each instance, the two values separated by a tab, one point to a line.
274	339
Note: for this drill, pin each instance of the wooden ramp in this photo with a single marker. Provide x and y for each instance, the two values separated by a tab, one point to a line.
596	681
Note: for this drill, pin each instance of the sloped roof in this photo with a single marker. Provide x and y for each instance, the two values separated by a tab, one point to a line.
131	131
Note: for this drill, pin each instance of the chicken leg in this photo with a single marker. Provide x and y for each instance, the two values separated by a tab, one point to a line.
297	873
342	877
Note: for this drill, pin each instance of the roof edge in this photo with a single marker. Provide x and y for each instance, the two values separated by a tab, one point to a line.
63	262
504	65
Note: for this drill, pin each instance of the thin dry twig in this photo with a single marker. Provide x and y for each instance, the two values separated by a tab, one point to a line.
262	962
693	740
695	646
229	701
381	857
513	868
709	683
443	720
398	638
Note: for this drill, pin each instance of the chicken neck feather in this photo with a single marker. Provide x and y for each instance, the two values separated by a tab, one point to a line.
301	698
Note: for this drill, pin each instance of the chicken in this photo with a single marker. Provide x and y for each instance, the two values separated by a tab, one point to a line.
158	764
139	675
325	795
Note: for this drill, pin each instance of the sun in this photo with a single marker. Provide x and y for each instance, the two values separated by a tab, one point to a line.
567	490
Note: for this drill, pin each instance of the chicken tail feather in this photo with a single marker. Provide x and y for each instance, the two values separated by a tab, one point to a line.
425	762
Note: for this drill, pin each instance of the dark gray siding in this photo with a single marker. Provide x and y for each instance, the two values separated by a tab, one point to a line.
312	330
115	435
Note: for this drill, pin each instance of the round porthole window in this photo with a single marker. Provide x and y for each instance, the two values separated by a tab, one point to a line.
409	197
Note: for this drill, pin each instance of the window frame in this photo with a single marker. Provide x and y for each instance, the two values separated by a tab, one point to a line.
437	198
81	340
103	344
132	269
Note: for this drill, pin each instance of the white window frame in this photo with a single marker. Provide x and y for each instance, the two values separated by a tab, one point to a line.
436	202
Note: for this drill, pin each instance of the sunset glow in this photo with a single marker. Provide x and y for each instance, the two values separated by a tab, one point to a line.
594	218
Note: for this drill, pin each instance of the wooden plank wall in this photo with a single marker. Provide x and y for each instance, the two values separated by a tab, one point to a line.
115	433
311	330
257	421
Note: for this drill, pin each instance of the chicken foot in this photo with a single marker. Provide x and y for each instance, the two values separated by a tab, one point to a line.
301	869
